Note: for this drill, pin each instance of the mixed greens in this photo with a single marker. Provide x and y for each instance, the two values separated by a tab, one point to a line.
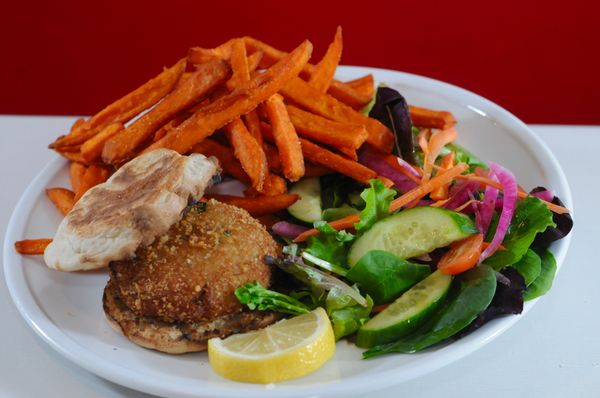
404	271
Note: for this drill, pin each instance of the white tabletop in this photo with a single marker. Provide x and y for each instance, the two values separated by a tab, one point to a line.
554	351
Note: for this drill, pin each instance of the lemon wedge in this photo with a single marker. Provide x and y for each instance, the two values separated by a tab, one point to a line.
285	350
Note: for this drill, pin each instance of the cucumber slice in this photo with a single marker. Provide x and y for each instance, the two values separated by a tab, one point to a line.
413	232
308	207
407	313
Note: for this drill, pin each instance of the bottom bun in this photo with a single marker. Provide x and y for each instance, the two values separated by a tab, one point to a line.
177	338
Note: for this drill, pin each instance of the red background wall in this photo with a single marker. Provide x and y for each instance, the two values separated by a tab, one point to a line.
539	59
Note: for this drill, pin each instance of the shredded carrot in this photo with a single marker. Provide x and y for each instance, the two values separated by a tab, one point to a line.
484	246
438	140
386	181
465	205
423	139
428	186
521	194
408	197
440	203
445	164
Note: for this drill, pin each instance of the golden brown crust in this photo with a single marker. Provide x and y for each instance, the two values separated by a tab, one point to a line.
190	273
177	338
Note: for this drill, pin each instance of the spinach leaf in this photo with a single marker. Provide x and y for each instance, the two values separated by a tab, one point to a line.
508	299
529	266
531	216
474	294
330	245
543	282
384	276
255	296
377	198
391	109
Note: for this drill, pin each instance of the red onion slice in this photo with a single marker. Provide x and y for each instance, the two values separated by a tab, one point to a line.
288	230
509	189
485	211
546	195
372	160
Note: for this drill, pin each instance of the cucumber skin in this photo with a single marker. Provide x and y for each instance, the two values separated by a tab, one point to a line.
367	338
465	227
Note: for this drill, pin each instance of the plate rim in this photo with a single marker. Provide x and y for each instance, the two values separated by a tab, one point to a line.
48	331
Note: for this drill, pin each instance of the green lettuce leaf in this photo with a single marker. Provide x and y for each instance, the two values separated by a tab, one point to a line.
330	245
531	217
255	296
377	199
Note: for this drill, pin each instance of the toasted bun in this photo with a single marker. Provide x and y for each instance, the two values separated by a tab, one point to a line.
138	203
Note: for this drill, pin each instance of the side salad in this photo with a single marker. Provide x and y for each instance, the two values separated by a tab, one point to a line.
442	244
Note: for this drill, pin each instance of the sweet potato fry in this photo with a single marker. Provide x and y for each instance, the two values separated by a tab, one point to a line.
32	246
229	163
62	198
93	176
224	110
274	185
286	139
270	55
123	145
323	72
185	76
239	66
254	61
325	131
349	96
272	156
92	148
76	172
423	117
248	152
316	170
77	124
350	153
260	205
199	55
340	91
127	107
300	92
170	125
363	85
324	157
252	123
75	156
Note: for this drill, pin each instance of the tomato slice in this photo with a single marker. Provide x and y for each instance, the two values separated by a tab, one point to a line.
463	255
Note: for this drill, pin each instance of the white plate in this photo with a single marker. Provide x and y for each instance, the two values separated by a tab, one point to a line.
65	308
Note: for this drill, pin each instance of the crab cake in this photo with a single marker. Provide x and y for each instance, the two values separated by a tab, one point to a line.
178	292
